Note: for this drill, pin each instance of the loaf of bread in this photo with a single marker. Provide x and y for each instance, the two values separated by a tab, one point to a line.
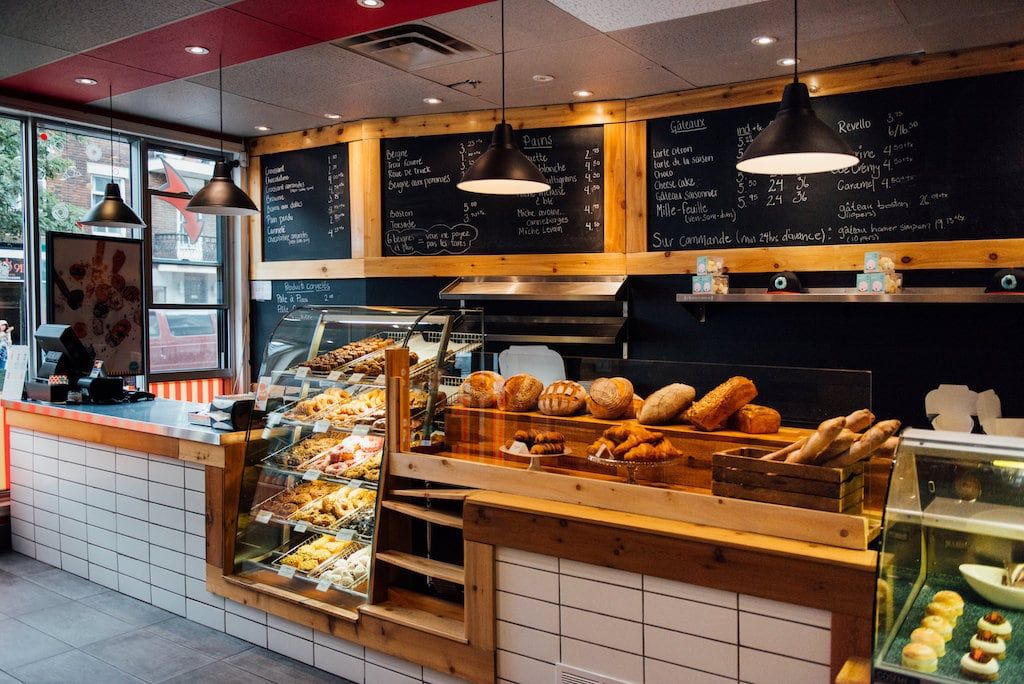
480	389
610	397
757	420
633	410
520	393
562	398
715	407
665	405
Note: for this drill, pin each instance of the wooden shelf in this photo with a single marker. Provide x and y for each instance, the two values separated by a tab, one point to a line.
424	613
442	494
430	515
423	566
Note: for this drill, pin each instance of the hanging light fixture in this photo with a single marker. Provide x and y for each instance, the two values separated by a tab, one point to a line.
796	141
502	169
111	211
220	196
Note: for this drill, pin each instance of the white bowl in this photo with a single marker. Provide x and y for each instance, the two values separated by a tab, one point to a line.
988	581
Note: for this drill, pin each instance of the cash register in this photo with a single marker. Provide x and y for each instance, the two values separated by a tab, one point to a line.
68	366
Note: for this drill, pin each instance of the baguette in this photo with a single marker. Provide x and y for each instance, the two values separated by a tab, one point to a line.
872	440
840	444
860	420
784	451
819	441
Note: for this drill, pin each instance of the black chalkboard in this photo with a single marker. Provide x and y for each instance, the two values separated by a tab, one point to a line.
306	209
425	214
939	161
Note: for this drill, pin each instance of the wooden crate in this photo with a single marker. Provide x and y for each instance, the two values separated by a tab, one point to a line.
741	474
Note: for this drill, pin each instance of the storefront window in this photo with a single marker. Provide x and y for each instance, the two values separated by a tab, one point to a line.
188	267
12	230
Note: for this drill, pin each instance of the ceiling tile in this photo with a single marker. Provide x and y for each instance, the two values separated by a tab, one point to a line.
975	31
605	86
17	55
612	15
84	24
933	11
401	95
528	23
860	47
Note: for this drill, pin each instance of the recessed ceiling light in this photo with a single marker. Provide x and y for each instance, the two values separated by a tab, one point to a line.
197	50
370	4
82	80
433	100
262	128
333	116
581	93
764	40
787	61
543	78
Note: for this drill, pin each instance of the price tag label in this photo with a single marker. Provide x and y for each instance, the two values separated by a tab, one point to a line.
321	426
301	527
356	377
355	484
334	375
361	430
323	585
381	379
311	474
602	452
345	535
267	433
520	448
301	372
286	571
274	419
263	516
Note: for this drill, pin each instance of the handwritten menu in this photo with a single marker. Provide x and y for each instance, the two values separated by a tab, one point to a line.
939	161
425	214
306	209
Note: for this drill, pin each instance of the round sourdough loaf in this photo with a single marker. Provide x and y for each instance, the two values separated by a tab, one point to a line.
562	398
520	393
480	389
610	397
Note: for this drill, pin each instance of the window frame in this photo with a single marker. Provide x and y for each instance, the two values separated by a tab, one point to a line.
223	308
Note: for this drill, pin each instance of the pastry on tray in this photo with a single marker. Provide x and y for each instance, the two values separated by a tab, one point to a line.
952	598
289	501
330	360
308	556
979	666
943	610
930	638
375	364
939	624
307	408
990	644
632	442
919	657
997	624
540	442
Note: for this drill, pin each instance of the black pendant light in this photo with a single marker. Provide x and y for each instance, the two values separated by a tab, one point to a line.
111	211
796	141
220	196
502	169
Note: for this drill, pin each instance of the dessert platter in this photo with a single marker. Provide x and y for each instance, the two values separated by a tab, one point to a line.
322	560
318	505
536	445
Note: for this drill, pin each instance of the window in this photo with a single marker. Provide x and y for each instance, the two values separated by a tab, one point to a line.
99	190
12	243
187	293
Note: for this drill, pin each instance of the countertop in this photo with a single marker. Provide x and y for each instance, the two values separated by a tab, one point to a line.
163	417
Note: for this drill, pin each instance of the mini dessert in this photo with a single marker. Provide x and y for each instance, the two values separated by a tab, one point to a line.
952	598
995	622
930	638
990	644
920	657
979	666
940	625
944	610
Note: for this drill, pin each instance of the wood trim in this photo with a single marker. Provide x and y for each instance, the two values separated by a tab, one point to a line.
615	180
636	188
836	81
480	598
311	137
851	637
907	255
92	432
591	535
504	264
254	224
313	270
366	198
855	671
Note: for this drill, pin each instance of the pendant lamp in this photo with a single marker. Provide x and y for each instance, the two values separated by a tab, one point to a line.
796	141
220	196
111	211
502	169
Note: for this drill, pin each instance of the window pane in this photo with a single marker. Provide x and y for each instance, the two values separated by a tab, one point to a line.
184	340
12	226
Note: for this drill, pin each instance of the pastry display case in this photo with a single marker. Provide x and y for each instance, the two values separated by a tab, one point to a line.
308	503
950	593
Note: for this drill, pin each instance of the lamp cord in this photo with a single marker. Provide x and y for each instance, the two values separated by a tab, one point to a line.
110	114
220	90
796	43
502	61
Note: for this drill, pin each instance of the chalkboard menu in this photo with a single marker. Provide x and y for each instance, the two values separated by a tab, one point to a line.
939	161
306	210
425	214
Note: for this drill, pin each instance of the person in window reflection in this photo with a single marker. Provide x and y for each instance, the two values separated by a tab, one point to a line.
5	342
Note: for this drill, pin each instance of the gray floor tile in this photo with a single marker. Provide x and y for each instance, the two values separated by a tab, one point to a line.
279	668
8	577
7	679
20	645
76	624
216	673
73	666
22	596
20	564
147	656
132	610
198	637
65	583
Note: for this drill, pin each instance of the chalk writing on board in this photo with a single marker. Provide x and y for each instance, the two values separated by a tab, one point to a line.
437	240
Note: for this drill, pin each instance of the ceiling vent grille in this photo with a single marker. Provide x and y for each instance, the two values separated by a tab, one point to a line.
572	675
411	47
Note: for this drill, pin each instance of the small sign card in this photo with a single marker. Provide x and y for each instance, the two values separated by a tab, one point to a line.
356	377
263	516
311	474
323	585
344	535
334	375
301	527
321	426
287	571
361	430
301	372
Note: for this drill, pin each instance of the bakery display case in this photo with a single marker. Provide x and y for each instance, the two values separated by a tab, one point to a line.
951	568
308	499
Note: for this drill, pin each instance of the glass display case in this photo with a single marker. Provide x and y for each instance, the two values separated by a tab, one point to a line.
308	503
952	549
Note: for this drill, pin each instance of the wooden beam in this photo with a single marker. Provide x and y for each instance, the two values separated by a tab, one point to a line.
364	158
480	618
851	638
636	189
254	224
311	137
508	264
615	179
313	270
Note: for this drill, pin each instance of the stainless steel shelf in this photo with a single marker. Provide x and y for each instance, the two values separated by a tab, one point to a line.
536	288
924	295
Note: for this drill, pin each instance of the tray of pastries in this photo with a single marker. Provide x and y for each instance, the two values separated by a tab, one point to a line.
308	556
345	413
345	454
349	570
330	510
295	456
631	442
285	503
305	410
374	364
346	354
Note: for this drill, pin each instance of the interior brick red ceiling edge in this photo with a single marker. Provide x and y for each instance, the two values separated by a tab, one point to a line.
243	31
